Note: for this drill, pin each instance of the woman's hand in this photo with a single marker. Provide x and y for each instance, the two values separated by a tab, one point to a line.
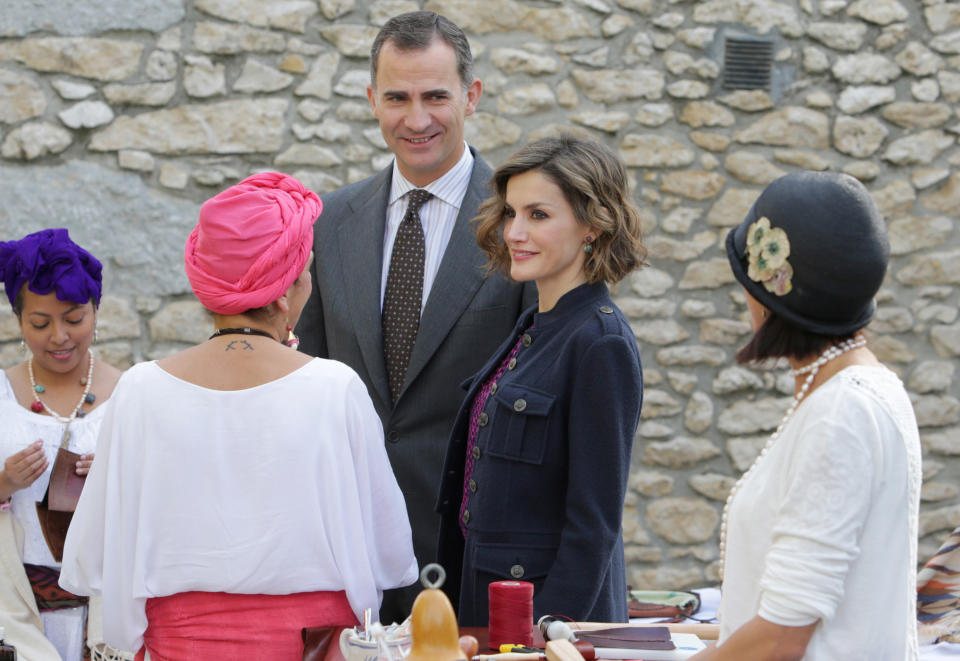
20	470
84	464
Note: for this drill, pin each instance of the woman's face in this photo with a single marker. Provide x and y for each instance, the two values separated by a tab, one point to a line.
58	333
543	235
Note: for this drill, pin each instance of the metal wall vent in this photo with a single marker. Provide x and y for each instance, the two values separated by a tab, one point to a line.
747	63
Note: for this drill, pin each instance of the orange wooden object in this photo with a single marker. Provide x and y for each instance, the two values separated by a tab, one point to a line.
434	635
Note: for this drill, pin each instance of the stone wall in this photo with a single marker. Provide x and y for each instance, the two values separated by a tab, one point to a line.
117	118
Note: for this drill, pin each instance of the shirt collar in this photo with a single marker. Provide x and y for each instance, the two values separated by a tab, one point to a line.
451	187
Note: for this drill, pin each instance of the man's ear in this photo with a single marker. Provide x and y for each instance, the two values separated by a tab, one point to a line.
474	92
372	98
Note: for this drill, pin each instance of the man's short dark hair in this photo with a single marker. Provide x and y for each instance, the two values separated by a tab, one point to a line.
416	30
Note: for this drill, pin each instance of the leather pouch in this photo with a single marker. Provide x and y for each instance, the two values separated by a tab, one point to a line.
640	609
65	485
54	525
634	638
671	604
316	642
56	509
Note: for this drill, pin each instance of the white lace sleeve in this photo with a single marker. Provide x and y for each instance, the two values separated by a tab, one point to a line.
829	483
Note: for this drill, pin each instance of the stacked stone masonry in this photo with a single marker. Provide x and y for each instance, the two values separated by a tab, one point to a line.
118	118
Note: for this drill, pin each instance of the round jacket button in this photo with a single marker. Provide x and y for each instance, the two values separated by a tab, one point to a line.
472	484
512	363
466	516
527	339
519	405
484	419
393	436
493	388
517	571
606	309
475	452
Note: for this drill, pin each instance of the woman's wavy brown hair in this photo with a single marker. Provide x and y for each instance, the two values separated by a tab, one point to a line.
594	184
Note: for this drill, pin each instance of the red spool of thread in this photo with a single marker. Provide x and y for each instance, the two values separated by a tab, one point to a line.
511	613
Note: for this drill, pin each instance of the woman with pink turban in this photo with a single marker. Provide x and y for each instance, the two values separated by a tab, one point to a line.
241	491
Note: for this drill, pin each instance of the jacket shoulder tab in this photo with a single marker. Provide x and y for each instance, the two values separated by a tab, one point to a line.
609	320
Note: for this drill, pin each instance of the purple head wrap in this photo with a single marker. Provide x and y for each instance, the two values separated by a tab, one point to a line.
50	261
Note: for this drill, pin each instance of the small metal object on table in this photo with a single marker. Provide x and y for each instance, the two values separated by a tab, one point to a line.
480	633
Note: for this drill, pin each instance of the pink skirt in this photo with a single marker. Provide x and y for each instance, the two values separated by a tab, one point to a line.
200	626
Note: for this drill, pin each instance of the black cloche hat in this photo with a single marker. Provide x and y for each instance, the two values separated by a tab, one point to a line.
814	250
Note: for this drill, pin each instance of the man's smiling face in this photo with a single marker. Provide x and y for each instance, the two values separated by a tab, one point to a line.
421	105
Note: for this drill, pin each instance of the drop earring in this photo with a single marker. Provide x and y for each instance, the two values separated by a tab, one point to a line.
292	340
23	346
587	246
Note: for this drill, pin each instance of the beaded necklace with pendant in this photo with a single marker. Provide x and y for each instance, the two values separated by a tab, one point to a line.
39	405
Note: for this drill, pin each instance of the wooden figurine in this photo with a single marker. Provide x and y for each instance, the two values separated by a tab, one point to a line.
433	625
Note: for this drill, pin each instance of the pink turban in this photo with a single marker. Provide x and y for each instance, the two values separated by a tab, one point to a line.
251	242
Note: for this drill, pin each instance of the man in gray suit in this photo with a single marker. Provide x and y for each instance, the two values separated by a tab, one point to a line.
400	291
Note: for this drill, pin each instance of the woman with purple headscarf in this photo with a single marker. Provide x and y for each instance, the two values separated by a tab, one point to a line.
50	407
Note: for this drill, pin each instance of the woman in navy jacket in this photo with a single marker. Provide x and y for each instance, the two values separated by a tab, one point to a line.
537	465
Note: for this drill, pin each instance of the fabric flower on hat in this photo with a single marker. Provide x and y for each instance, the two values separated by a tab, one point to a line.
755	234
781	282
767	251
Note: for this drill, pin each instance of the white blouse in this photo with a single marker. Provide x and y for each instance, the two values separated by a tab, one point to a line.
825	527
277	489
19	428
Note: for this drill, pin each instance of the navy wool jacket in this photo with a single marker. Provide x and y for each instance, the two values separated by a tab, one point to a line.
545	498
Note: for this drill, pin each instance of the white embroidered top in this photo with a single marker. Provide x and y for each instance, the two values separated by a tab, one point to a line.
825	527
281	488
21	427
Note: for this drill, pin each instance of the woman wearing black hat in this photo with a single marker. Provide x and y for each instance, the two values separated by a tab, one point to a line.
818	537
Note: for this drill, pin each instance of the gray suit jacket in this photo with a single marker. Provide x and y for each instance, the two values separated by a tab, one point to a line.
466	317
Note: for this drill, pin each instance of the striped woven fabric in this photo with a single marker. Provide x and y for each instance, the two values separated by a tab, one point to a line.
938	594
46	590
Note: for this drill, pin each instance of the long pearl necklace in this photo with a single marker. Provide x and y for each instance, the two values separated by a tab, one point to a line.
811	370
85	398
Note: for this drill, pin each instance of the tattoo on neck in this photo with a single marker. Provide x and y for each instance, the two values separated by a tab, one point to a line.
246	346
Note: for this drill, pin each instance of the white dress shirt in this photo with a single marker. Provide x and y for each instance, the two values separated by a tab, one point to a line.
825	527
277	489
438	217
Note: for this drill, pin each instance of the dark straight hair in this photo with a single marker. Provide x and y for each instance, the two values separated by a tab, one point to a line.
778	338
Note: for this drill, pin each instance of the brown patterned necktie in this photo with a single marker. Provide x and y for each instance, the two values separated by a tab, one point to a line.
404	293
